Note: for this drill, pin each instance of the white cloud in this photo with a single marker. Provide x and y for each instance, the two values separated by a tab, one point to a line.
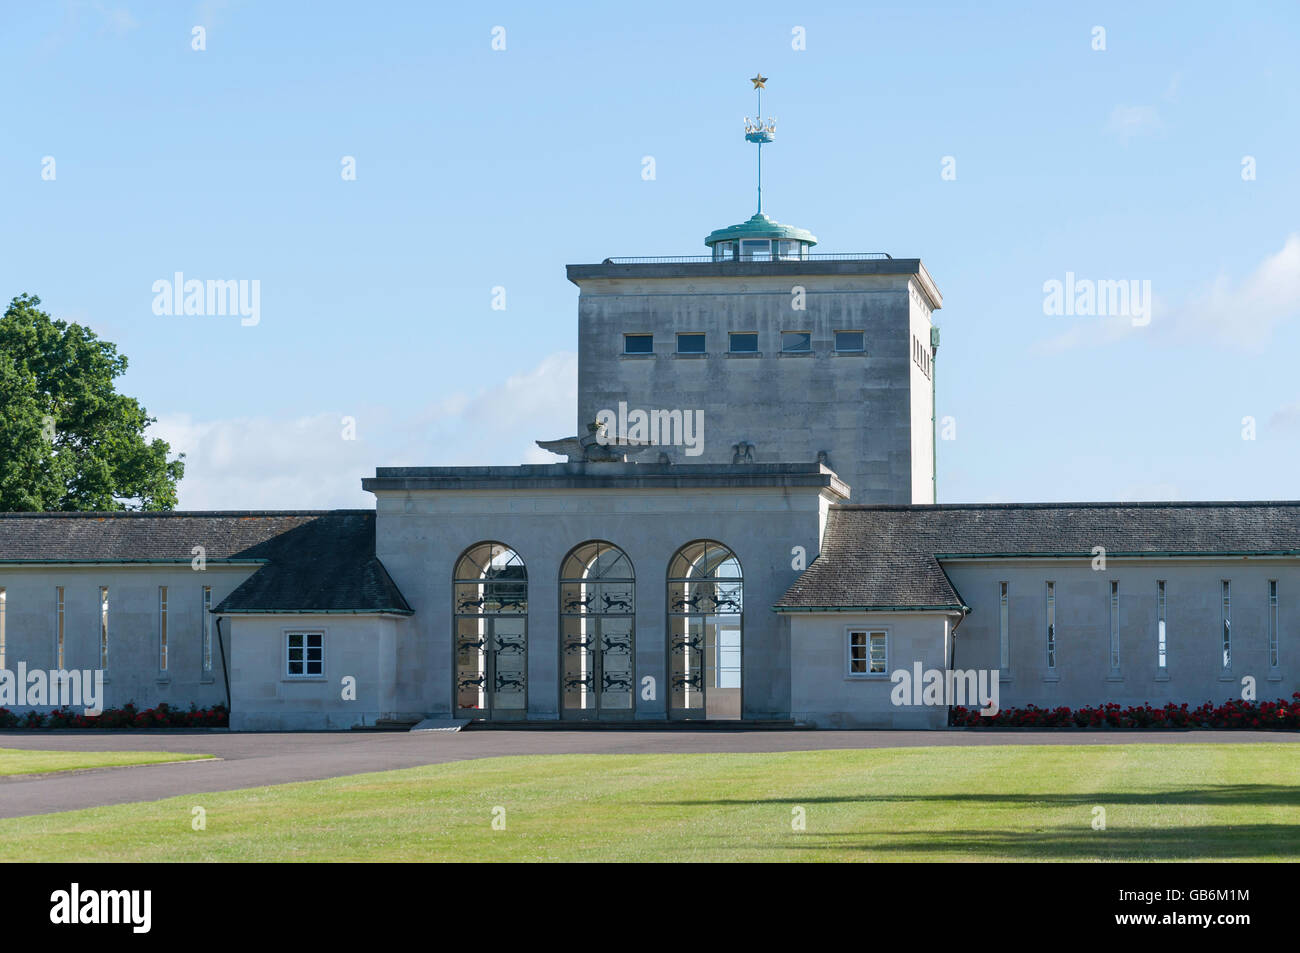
1130	121
1243	315
1246	314
1087	332
1286	419
304	463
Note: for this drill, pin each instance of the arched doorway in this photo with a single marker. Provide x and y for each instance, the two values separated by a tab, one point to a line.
490	619
705	631
597	632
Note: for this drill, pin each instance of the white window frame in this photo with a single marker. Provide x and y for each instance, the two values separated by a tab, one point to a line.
870	632
4	599
304	675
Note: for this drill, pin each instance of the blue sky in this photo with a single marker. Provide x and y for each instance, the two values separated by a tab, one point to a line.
478	168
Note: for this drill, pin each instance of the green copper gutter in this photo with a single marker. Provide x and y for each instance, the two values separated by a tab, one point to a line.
934	413
179	561
1205	554
220	611
953	607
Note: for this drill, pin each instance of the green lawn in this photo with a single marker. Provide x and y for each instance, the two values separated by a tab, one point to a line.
1024	802
22	761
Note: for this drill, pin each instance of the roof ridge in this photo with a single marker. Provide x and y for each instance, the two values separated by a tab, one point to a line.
1091	504
164	514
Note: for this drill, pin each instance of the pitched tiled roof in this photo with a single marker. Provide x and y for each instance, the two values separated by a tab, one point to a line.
890	556
310	560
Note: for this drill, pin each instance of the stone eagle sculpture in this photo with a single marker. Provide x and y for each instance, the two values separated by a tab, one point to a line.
594	446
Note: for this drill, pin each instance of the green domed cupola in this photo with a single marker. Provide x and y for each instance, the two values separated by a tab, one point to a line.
760	238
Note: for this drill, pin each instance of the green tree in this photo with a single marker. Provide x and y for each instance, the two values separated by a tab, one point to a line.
68	440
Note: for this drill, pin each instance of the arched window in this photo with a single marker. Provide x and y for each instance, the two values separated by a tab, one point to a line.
597	631
490	620
706	592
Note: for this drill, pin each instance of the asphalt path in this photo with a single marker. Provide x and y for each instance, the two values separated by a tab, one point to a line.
257	759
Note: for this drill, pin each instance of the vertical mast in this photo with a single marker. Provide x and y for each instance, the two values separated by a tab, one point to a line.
760	131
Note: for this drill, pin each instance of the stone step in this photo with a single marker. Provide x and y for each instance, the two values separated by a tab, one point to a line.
702	724
387	724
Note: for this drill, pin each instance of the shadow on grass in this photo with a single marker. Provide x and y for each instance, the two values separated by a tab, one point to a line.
1208	842
1223	795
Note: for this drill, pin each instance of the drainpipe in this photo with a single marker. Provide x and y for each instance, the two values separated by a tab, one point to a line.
952	650
934	440
224	671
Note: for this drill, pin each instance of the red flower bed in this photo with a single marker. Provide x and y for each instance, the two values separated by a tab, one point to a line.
114	719
1232	714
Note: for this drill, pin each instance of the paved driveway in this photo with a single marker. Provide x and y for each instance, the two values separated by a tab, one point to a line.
256	759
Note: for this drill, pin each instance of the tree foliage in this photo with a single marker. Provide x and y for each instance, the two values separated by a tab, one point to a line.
68	440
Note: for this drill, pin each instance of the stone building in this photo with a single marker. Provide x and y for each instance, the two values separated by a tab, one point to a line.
744	527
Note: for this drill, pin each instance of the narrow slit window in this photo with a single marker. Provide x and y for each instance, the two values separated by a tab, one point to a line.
1004	627
103	627
1114	625
1051	626
58	627
1272	622
162	628
1227	624
1162	646
206	623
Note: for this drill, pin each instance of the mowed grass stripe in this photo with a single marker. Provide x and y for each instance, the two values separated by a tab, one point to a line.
17	761
1162	802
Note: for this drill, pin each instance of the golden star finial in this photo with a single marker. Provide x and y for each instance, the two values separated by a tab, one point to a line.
759	81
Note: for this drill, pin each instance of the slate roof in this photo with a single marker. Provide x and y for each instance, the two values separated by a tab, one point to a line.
890	557
310	560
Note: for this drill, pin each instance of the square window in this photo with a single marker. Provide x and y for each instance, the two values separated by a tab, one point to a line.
744	342
850	341
638	343
692	343
305	654
796	342
868	652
